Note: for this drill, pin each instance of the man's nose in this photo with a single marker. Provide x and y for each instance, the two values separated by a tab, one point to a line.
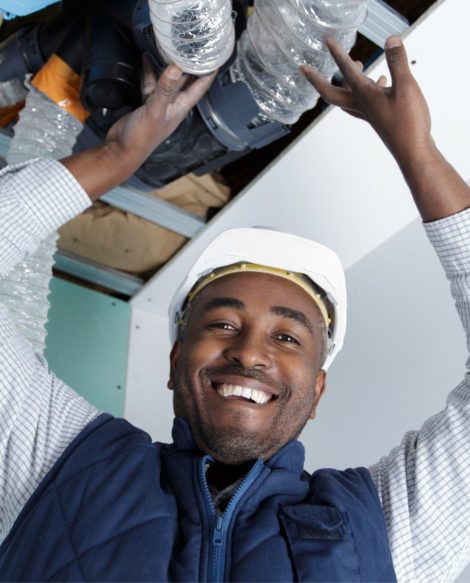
249	349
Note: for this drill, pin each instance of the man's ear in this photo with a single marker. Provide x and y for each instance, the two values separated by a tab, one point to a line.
320	386
174	357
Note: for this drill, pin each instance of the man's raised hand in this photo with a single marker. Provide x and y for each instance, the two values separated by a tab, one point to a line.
134	137
400	116
137	134
398	113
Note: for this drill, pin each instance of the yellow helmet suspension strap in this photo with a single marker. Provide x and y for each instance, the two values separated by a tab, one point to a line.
296	278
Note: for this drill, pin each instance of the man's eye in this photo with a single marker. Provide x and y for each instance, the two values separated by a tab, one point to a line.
221	326
287	338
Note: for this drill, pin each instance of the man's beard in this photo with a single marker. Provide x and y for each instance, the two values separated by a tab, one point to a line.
231	444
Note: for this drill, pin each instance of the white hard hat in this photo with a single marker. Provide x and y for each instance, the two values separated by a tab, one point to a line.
274	249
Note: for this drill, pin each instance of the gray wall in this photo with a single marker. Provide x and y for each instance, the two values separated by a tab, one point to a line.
404	351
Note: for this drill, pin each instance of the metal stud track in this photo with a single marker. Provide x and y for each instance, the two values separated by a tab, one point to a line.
382	21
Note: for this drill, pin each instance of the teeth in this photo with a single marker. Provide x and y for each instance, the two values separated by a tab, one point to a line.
255	395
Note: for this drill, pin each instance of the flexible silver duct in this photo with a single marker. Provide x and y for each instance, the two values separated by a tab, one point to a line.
43	130
11	92
196	35
283	34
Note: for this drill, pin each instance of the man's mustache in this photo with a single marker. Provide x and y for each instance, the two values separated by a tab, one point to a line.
248	373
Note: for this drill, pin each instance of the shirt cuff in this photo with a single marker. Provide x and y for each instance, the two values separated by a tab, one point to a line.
49	193
450	238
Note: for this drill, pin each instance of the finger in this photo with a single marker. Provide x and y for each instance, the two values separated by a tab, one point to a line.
196	90
347	66
397	60
360	66
382	81
335	95
149	79
321	84
169	84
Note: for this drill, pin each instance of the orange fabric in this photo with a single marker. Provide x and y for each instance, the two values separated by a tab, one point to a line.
61	84
10	113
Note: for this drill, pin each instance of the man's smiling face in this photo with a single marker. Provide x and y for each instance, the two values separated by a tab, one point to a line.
246	372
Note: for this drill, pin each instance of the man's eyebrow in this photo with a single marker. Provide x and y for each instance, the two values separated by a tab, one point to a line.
222	302
299	317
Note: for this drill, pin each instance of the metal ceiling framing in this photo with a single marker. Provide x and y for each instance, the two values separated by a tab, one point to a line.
381	22
112	279
153	209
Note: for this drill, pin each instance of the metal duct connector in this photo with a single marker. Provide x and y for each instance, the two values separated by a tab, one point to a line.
43	130
281	36
196	35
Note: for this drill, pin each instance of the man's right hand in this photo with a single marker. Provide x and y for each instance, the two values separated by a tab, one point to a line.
134	137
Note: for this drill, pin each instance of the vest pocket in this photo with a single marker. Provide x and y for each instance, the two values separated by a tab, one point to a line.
321	543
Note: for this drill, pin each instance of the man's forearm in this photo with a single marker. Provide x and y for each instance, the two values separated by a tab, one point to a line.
438	190
98	170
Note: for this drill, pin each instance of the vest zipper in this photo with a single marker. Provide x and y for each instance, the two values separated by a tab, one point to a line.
220	522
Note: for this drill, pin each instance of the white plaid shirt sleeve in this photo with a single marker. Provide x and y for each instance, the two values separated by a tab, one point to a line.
39	414
424	483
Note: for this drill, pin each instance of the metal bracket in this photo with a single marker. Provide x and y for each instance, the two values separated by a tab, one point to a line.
151	208
112	279
382	21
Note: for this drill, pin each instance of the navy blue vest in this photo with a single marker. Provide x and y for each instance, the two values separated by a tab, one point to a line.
116	507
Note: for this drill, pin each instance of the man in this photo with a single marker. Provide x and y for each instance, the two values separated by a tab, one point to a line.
255	329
